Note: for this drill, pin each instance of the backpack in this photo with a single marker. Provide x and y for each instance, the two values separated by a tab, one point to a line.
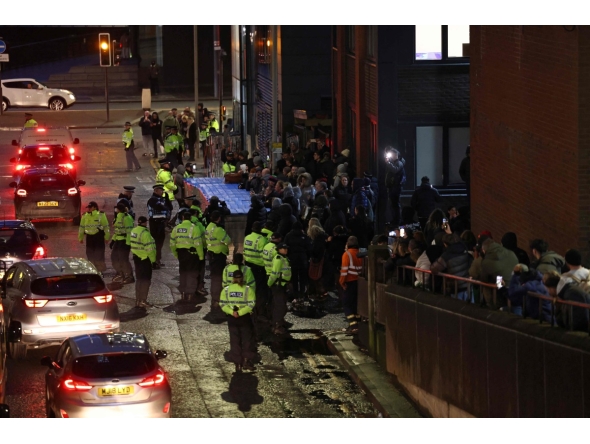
583	284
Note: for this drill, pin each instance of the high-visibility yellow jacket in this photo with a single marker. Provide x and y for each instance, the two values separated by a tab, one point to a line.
217	239
281	271
122	227
143	244
91	223
240	297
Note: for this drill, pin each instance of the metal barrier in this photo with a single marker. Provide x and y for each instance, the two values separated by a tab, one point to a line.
213	147
554	303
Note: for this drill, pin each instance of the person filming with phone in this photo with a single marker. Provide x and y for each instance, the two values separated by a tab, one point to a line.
394	181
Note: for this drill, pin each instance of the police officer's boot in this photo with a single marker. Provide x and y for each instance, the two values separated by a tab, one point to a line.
128	279
238	368
247	365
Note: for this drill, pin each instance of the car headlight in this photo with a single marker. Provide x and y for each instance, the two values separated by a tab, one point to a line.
72	97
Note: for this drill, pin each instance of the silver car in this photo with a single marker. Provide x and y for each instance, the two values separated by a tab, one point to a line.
48	300
106	375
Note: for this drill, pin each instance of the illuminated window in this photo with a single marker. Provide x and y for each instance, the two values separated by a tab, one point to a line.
428	42
441	42
458	36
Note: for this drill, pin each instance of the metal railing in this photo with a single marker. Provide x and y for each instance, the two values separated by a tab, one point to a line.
570	305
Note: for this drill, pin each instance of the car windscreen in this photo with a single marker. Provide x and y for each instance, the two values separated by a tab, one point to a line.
44	154
53	181
114	365
45	136
14	238
68	285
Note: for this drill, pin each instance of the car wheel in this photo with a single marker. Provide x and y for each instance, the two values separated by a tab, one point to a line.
17	351
4	104
57	104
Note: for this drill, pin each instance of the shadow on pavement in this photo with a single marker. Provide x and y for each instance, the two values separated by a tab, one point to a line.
182	309
286	345
243	391
133	314
215	317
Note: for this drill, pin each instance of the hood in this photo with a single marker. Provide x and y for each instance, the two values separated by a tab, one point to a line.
307	180
510	241
296	192
341	169
256	202
456	248
345	152
321	201
286	210
287	192
180	169
276	202
357	184
497	252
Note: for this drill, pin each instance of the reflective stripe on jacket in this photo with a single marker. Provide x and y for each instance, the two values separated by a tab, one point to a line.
143	244
228	274
91	223
351	266
281	271
241	296
122	227
217	239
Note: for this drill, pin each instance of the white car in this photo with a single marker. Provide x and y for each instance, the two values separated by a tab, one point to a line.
30	93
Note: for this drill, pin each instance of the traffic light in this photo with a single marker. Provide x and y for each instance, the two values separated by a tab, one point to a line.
223	113
116	53
104	48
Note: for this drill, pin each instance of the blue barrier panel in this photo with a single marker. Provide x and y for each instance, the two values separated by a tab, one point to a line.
238	201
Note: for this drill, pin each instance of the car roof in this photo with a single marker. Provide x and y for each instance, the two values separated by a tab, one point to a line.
19	79
101	343
60	266
12	224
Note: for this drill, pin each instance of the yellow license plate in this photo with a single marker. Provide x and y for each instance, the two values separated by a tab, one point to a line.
115	391
48	204
76	317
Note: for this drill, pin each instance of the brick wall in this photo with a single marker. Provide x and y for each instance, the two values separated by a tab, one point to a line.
530	133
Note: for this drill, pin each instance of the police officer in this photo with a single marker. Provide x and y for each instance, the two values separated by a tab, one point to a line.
172	146
269	252
164	178
159	211
278	280
213	123
218	248
126	197
203	135
229	166
254	245
237	302
238	264
186	245
129	145
29	121
95	226
143	248
122	226
199	223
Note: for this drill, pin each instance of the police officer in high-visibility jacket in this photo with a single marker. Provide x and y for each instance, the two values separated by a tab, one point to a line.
164	178
186	245
159	211
349	275
269	252
229	166
238	264
121	245
253	248
143	248
203	135
95	226
217	248
129	146
198	219
278	281
29	121
237	302
172	146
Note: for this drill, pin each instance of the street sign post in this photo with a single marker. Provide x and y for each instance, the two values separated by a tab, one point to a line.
4	58
2	46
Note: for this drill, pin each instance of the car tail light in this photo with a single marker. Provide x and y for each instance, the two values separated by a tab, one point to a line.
157	379
21	167
103	299
22	193
69	166
63	413
74	385
43	148
39	253
36	303
20	151
166	408
72	192
40	130
71	150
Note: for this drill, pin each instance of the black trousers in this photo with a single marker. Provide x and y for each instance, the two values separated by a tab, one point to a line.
300	280
350	299
396	207
261	279
120	258
154	86
217	262
158	232
172	157
279	304
143	278
155	139
95	250
191	149
200	274
187	267
242	340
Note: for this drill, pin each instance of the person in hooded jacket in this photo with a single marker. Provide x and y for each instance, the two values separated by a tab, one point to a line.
569	292
299	251
257	212
320	209
343	194
289	198
359	197
308	191
336	217
510	241
297	198
455	260
546	260
327	168
497	261
287	220
274	215
216	205
340	171
524	280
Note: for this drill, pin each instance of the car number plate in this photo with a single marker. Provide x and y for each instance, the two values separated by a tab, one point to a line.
115	391
48	204
75	317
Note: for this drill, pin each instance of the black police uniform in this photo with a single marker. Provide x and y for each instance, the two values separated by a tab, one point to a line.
159	211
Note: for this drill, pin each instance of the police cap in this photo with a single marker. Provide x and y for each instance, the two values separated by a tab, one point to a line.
282	245
238	274
129	188
142	220
163	161
92	204
158	187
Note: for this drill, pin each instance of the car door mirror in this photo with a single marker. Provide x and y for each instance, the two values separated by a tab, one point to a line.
43	237
46	361
77	158
81	182
76	141
12	160
161	354
12	184
4	411
14	143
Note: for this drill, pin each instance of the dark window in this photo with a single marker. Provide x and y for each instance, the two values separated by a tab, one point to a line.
44	153
78	284
335	36
53	181
350	38
115	365
372	41
14	85
16	238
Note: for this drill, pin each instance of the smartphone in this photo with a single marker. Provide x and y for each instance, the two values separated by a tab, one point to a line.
444	221
402	232
392	234
499	281
313	140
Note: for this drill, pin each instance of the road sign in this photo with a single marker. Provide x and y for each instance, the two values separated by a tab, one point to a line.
3	57
2	46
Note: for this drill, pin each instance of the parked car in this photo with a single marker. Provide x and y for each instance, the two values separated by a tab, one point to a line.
50	135
19	241
106	375
45	155
47	193
48	300
30	93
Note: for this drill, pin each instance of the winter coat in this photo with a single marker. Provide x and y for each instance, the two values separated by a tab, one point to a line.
336	218
336	249
396	174
362	229
299	249
274	215
359	197
510	241
571	292
289	198
549	261
424	200
455	260
305	182
520	285
343	196
340	170
498	261
257	212
422	279
287	219
179	181
146	126
327	169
